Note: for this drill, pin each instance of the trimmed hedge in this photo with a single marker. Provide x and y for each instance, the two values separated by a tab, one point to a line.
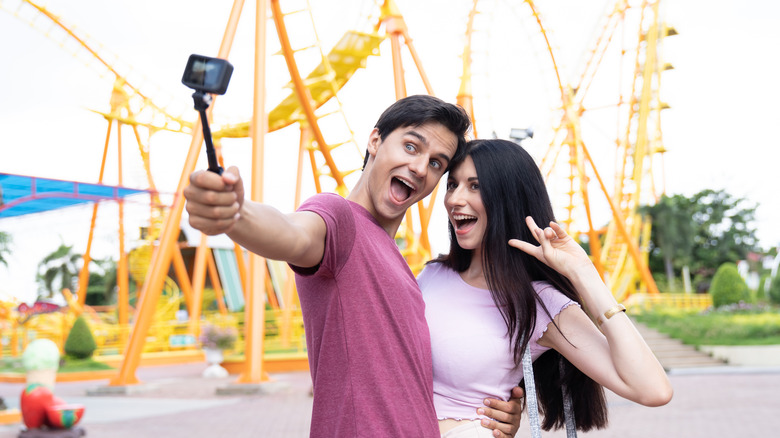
728	287
80	343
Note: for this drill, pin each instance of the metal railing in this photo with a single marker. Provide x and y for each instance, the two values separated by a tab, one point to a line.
164	336
642	302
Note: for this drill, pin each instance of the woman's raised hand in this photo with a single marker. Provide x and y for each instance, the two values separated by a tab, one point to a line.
556	249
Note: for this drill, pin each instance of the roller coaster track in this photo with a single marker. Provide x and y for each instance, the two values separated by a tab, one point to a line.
89	51
129	105
311	93
322	84
305	104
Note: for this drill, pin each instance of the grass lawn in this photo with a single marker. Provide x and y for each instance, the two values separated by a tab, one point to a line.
14	365
732	325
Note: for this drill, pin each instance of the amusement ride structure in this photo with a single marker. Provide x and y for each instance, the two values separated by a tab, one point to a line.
253	291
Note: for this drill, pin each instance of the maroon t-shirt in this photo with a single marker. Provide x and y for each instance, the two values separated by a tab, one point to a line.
368	342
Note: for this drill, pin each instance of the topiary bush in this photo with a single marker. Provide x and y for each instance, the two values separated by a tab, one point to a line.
774	290
728	287
80	343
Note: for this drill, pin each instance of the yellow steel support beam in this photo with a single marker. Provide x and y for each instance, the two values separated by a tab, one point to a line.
161	258
180	269
254	310
304	95
84	273
465	96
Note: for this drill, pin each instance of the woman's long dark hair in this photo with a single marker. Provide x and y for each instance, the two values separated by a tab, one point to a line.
512	188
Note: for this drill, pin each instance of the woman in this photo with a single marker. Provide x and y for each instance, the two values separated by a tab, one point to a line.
497	291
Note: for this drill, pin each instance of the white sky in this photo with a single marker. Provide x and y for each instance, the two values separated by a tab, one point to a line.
723	93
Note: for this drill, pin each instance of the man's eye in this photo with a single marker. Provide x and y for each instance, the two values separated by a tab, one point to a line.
409	147
435	164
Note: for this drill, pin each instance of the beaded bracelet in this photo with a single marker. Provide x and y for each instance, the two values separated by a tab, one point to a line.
617	308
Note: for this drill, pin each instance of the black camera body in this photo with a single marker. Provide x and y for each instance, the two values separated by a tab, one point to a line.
208	75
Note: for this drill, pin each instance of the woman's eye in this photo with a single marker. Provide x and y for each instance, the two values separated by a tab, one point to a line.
475	186
451	185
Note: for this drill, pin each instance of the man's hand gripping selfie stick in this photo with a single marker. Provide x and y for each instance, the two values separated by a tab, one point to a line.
207	75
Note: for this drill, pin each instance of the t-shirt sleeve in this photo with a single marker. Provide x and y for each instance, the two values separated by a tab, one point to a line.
555	301
340	235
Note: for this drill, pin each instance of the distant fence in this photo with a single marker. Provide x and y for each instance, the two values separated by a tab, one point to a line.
640	302
283	332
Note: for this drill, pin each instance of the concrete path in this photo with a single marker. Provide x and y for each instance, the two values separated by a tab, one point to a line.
175	402
673	354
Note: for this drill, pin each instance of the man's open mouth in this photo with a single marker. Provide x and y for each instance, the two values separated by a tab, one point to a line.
401	190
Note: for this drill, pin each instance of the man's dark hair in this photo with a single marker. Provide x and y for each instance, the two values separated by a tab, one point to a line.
420	109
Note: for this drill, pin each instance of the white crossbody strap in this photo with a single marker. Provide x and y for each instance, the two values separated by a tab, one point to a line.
533	405
530	393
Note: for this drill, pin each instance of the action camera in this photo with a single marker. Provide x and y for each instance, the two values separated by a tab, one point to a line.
209	75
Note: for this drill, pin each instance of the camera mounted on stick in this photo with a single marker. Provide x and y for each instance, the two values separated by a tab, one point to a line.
207	76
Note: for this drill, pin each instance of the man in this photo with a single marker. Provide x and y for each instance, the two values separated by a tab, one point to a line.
367	339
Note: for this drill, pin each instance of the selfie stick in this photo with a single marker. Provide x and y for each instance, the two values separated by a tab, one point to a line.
202	102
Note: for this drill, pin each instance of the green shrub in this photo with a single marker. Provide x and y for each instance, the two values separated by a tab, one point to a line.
774	290
80	343
728	287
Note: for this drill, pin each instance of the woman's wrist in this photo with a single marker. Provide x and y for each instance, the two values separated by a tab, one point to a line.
585	276
591	288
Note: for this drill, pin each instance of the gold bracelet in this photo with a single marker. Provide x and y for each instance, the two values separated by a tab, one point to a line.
612	311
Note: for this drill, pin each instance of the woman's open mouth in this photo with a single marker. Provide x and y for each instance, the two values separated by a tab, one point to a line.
463	223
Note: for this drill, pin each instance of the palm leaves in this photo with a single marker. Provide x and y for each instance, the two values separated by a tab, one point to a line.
101	289
58	270
5	247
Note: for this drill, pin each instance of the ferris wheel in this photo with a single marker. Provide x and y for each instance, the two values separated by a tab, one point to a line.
602	149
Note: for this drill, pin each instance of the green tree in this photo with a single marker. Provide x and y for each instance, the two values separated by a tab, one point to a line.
703	232
671	236
58	270
5	247
723	231
101	288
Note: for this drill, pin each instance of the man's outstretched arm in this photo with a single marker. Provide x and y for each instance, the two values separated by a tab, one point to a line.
216	205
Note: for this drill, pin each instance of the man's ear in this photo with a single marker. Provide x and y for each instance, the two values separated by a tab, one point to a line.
374	140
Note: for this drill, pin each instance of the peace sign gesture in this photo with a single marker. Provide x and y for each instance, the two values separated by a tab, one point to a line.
556	249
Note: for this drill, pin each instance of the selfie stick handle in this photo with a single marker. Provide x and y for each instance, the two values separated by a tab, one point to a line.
202	102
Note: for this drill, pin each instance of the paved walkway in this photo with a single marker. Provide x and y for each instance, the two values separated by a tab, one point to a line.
175	402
